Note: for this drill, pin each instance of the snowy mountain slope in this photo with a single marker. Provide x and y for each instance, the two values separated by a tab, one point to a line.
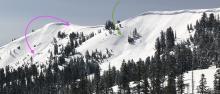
41	40
149	25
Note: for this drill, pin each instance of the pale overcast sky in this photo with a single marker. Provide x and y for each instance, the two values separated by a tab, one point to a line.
16	13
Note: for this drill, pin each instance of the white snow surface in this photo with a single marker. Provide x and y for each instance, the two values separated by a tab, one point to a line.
209	75
148	24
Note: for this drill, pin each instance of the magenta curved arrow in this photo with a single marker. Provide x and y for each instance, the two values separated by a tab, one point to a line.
36	18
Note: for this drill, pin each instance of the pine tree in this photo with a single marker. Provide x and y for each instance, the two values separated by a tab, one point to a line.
217	82
67	50
162	41
170	39
158	47
49	79
180	84
158	68
146	86
114	75
130	40
109	25
202	88
188	28
2	79
61	60
191	27
136	35
170	61
61	35
211	21
7	75
76	43
87	55
97	79
140	65
152	75
109	79
218	50
171	87
125	78
204	20
83	85
55	49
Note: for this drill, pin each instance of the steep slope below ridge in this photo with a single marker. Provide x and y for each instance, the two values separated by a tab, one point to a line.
148	24
42	40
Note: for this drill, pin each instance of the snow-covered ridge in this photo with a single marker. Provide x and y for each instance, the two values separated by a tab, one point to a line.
180	11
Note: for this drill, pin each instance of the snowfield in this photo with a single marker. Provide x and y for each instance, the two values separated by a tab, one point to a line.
148	24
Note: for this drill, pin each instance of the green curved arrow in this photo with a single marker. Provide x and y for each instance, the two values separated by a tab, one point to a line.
113	16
